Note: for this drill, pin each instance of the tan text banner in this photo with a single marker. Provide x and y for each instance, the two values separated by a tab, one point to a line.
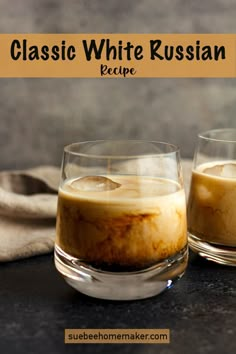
117	55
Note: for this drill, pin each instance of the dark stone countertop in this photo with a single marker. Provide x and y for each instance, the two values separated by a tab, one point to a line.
36	305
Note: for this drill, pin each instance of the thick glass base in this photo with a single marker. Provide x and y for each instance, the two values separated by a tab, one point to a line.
121	285
216	253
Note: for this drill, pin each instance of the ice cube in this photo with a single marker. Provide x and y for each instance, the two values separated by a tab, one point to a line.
226	170
214	170
94	184
229	171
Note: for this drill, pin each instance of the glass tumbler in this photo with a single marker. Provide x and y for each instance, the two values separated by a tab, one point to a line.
121	222
212	199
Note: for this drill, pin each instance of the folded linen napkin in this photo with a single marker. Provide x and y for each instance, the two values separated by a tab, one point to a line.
28	202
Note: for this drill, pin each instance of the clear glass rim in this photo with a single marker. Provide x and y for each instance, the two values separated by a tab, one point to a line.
174	149
206	135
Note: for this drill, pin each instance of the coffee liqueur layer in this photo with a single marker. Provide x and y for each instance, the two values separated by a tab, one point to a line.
121	221
212	203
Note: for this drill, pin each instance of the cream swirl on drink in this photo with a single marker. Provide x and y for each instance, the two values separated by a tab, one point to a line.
121	220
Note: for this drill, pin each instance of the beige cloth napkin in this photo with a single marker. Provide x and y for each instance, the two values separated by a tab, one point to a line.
28	202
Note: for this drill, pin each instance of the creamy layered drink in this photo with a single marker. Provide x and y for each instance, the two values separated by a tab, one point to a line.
121	221
212	203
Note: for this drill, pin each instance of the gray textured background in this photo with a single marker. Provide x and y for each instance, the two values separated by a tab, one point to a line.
39	116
